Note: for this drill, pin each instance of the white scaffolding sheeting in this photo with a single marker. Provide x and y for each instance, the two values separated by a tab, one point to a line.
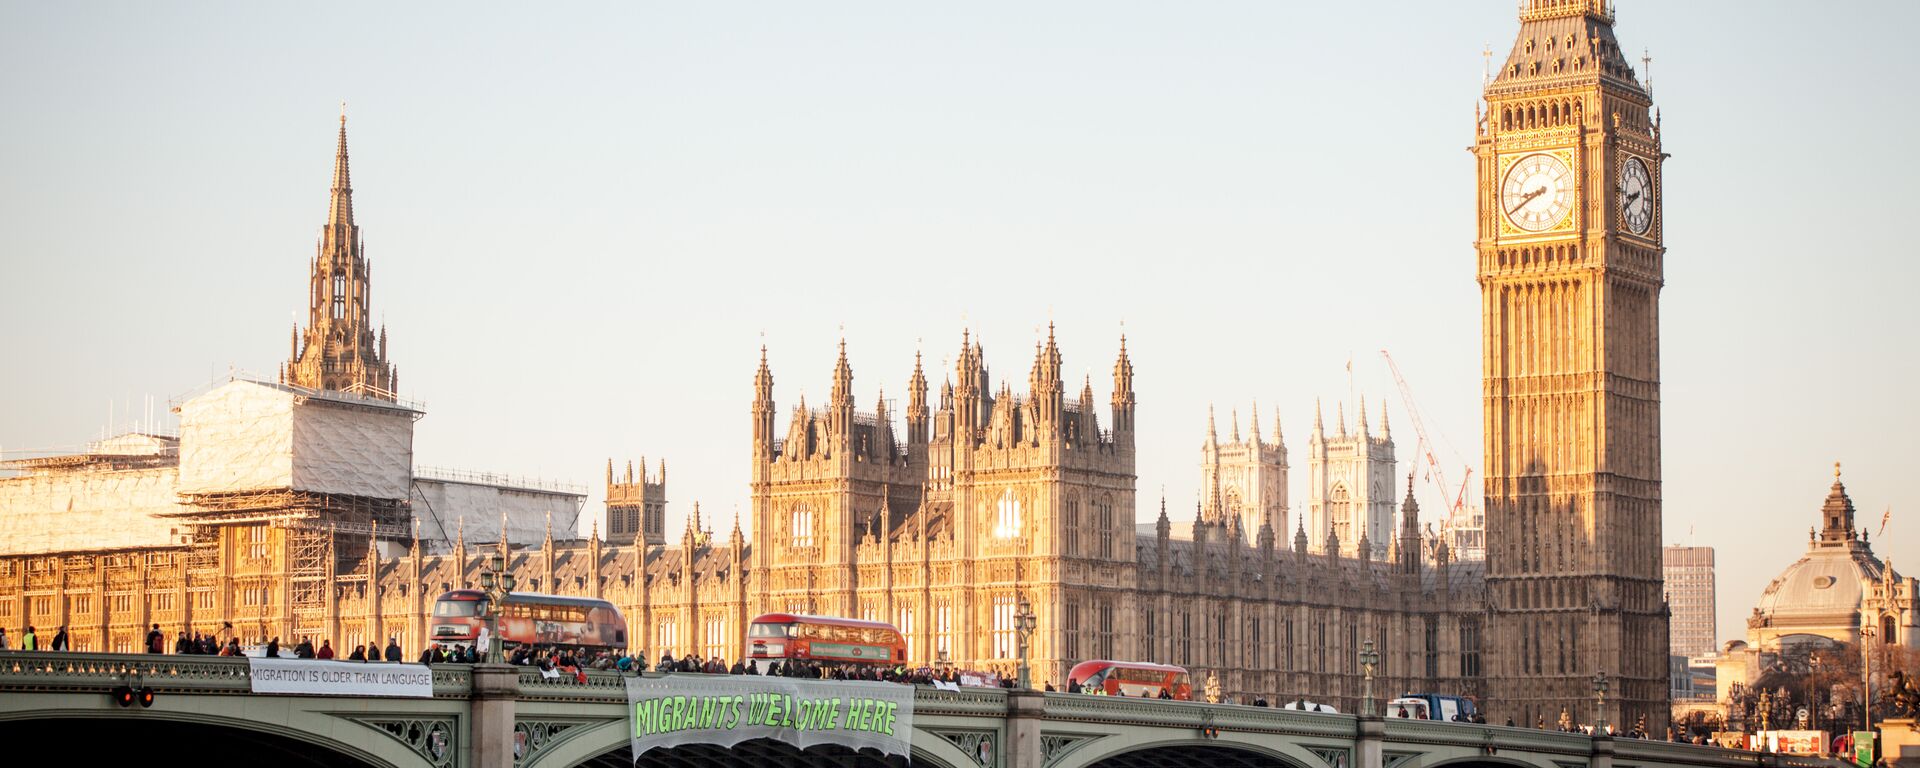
440	505
246	436
88	511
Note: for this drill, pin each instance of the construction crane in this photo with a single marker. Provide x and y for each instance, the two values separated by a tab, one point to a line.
1457	504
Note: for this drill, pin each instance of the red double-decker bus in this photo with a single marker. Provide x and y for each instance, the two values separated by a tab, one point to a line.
1132	678
787	636
526	618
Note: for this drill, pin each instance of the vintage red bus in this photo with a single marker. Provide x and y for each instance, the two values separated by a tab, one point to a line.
783	636
526	618
1131	678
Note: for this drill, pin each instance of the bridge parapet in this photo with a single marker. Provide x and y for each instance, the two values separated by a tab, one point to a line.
1119	710
968	702
1479	736
599	688
101	672
1649	751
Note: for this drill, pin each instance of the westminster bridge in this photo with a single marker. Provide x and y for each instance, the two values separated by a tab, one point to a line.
204	708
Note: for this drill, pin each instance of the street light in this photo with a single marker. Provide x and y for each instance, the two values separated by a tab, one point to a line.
497	582
1866	674
1023	624
1368	659
1600	703
1813	688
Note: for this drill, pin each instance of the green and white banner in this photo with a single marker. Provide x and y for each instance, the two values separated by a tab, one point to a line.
677	709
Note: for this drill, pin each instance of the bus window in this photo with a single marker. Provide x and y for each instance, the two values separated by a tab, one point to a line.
771	630
458	607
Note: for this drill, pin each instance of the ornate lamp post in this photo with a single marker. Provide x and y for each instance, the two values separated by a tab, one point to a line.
1600	703
1813	688
1023	623
1866	674
1369	658
497	582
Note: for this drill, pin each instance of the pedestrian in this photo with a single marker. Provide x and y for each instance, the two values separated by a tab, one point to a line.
60	641
180	644
305	649
359	653
29	641
156	642
273	647
393	649
326	650
426	655
3	638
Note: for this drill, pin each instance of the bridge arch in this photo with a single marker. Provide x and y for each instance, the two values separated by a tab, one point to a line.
236	739
607	743
1191	753
746	754
1482	761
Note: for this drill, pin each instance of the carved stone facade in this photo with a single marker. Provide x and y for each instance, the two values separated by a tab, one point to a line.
637	505
1351	479
1570	269
1244	482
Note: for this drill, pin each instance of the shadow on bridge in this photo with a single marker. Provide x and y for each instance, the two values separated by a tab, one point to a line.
1193	755
153	741
764	752
749	754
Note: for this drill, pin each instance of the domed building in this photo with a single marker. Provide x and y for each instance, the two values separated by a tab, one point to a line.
1826	597
1836	588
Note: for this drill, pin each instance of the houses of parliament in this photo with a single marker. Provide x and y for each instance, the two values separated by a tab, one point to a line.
291	507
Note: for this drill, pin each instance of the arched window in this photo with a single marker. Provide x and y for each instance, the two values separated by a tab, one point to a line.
1107	532
1073	525
1339	514
1006	523
339	295
800	526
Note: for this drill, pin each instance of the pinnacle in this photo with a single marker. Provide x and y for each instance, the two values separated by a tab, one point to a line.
340	211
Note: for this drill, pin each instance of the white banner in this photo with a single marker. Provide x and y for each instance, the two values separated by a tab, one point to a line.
308	677
672	710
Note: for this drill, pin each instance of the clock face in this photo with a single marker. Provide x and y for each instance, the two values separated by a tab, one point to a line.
1537	192
1636	196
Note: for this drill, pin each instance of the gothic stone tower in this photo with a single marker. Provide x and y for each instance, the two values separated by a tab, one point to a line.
1042	508
1245	481
837	476
1570	264
637	505
1350	482
339	350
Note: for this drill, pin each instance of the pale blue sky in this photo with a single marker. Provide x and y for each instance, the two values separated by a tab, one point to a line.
582	217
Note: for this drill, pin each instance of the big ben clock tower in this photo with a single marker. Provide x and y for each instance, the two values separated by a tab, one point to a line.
1570	264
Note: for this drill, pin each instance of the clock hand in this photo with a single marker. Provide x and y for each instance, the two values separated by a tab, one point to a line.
1632	197
1527	199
